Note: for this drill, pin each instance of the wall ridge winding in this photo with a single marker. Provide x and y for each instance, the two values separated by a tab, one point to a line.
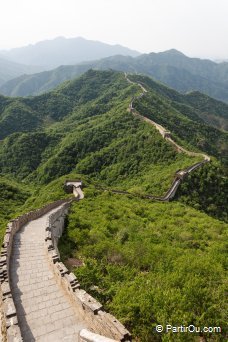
180	174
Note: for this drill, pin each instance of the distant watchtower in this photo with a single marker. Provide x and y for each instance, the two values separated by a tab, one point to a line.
70	184
181	174
166	134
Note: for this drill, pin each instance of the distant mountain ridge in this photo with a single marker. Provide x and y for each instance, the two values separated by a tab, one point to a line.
63	51
9	69
170	67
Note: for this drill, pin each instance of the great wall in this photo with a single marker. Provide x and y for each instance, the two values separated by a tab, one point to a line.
180	174
40	299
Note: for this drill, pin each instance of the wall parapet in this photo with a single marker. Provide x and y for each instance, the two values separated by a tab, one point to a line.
102	324
104	327
9	325
87	336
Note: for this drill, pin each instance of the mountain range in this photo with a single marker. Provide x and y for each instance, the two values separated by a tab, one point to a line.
95	93
48	54
170	67
63	51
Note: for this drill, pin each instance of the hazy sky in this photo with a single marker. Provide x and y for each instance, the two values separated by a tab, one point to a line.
195	27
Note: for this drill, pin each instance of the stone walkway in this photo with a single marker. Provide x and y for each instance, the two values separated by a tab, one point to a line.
44	309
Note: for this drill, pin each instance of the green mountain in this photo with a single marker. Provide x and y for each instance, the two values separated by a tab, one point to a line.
179	116
84	127
42	82
170	67
61	107
148	262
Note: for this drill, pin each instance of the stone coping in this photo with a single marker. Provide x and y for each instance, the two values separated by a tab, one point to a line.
9	324
104	324
87	336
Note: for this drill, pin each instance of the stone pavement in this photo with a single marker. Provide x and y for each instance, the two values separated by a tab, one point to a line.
44	310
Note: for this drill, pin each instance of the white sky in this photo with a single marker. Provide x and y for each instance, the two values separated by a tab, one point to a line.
195	27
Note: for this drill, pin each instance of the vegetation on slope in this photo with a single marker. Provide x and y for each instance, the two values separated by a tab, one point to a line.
212	112
21	153
99	139
84	127
35	84
206	189
13	196
181	121
116	150
149	263
30	114
195	105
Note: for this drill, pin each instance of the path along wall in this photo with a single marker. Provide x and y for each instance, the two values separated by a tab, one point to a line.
10	330
100	322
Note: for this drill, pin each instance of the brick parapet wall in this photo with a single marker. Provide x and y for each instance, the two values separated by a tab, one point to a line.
102	324
87	336
10	330
90	309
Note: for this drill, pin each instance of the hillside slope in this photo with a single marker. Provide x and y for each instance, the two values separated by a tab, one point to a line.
93	134
175	114
13	196
84	126
150	263
211	111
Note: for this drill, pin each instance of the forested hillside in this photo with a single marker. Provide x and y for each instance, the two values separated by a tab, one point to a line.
84	126
155	262
182	117
13	196
207	190
150	263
